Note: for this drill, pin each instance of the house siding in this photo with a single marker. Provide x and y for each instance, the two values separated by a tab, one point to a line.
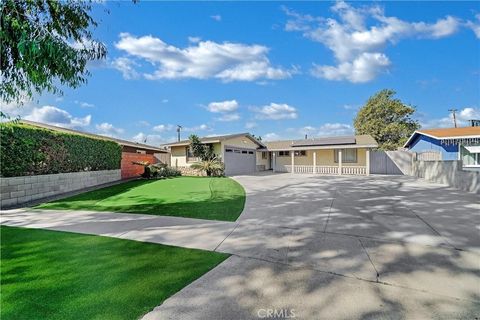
179	155
325	157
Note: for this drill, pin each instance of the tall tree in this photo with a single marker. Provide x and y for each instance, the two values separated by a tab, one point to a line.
386	119
45	44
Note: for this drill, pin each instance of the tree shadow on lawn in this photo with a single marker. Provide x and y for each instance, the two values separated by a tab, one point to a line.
220	204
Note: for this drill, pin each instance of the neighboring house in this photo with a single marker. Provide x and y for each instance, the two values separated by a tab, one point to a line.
243	154
131	151
237	151
447	144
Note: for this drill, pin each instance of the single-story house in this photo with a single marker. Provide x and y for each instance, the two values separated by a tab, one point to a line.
327	155
447	144
243	154
131	151
237	151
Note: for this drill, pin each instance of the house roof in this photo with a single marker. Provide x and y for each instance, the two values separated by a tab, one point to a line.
366	141
97	136
214	139
446	133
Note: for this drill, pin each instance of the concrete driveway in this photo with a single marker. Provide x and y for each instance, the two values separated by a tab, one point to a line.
316	247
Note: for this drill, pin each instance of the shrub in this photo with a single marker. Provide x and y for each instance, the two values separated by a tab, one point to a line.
29	150
157	170
213	167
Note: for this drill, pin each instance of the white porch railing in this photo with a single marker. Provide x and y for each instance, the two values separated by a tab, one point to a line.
327	170
354	170
347	170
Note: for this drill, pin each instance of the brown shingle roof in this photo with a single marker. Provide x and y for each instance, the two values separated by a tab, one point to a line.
214	139
93	135
359	141
452	132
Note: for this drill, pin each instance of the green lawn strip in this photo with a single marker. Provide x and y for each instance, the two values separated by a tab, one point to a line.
58	275
192	197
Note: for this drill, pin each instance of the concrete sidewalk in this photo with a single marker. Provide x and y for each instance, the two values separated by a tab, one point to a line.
182	232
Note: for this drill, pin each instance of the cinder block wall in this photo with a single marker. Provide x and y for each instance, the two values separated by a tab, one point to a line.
448	172
18	190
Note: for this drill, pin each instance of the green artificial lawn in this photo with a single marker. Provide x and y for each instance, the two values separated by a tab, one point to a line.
58	275
192	197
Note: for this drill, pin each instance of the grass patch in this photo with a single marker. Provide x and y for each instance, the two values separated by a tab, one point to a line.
192	197
58	275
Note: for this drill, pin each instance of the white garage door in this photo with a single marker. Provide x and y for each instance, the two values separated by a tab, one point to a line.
239	161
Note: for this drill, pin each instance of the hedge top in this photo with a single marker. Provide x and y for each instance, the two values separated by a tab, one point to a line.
30	150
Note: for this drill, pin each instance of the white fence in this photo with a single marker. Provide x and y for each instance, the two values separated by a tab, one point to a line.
347	170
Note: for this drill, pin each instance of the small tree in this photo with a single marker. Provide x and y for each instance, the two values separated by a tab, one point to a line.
201	150
386	119
209	161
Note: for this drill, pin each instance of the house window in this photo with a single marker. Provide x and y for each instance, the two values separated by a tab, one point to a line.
141	151
228	150
236	151
283	153
250	152
301	153
190	156
244	151
264	155
469	159
348	155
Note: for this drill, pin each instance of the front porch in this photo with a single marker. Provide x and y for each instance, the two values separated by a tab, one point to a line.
341	161
346	170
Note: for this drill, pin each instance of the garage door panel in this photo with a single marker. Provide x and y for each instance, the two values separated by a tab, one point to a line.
239	161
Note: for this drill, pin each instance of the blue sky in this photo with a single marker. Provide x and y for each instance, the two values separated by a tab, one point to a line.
275	69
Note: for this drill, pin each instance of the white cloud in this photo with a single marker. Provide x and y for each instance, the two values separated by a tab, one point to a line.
163	127
216	17
223	106
203	60
127	67
335	129
202	127
462	116
57	117
143	123
194	39
108	129
475	25
364	68
151	139
275	111
357	46
165	101
229	117
327	129
270	136
251	125
84	104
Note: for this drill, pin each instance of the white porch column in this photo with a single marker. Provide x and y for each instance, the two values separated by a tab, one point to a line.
293	160
274	161
367	161
339	161
314	162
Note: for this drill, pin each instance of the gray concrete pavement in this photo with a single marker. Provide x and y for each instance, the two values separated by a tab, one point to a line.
343	248
325	247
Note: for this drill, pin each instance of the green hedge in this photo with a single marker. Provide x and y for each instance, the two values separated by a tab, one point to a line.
29	150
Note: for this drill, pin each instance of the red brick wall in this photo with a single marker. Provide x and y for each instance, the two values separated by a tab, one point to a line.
130	170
